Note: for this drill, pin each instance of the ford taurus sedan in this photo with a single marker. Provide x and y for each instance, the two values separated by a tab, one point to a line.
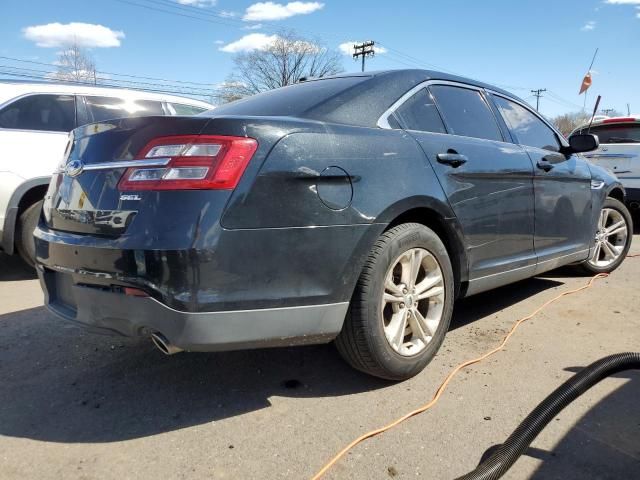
354	208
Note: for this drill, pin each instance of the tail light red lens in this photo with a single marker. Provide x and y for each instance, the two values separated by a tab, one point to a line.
194	162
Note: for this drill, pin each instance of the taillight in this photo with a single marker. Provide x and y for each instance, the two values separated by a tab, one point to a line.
194	162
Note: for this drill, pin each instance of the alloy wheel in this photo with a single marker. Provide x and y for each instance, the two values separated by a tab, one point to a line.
413	301
611	238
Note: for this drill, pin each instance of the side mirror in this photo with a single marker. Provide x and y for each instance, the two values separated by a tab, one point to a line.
583	143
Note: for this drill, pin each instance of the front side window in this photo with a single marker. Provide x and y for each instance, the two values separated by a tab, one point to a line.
99	109
528	129
420	113
52	113
466	113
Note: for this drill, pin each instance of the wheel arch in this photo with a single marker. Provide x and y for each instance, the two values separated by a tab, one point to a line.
439	217
24	196
617	192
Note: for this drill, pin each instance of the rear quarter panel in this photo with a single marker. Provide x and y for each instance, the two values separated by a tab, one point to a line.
339	176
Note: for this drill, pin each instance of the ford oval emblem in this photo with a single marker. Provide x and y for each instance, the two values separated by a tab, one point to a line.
74	168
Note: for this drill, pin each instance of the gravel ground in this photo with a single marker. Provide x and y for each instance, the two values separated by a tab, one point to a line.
80	406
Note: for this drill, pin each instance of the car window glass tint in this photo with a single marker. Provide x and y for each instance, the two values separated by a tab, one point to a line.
466	113
420	113
107	108
528	129
53	113
181	109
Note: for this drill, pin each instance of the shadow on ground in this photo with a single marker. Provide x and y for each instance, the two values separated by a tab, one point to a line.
470	309
62	384
603	444
12	268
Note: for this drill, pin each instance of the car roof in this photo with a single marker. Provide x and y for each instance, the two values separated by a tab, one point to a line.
355	99
10	89
426	75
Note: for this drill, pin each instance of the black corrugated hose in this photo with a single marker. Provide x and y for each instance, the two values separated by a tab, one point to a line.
506	455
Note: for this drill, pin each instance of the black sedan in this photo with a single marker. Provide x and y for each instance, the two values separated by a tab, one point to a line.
354	208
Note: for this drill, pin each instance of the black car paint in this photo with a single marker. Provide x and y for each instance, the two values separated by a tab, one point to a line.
255	228
321	188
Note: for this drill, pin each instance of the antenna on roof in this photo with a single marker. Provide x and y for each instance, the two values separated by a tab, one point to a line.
595	110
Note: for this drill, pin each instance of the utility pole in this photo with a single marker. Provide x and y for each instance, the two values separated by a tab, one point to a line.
538	93
628	110
607	111
365	49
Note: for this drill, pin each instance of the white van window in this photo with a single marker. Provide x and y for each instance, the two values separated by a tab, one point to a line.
52	113
625	133
181	109
99	109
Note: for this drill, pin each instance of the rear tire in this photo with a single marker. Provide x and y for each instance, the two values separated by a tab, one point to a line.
27	223
381	302
612	243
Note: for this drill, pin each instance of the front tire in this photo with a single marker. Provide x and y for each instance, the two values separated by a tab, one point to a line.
613	238
27	223
402	304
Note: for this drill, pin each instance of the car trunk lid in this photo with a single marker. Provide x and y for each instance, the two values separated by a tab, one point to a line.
83	196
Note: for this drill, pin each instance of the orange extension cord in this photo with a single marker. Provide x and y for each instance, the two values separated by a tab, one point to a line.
453	373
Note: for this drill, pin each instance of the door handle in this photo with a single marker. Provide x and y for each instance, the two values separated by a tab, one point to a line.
544	165
451	158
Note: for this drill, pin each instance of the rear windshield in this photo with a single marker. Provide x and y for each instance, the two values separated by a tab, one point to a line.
617	133
289	101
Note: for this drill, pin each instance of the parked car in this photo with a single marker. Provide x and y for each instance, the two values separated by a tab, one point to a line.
35	120
354	208
619	151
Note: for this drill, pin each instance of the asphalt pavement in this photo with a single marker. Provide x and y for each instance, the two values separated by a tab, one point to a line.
75	405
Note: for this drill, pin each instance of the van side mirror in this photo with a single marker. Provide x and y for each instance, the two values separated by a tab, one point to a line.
583	143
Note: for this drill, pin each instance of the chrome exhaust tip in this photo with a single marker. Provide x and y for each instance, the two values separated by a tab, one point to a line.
163	344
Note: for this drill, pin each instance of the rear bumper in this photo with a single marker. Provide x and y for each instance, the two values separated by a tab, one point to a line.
112	312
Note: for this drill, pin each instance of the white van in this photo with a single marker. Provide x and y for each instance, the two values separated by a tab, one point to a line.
35	119
619	152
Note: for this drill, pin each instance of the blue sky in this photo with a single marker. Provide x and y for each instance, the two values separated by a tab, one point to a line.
515	44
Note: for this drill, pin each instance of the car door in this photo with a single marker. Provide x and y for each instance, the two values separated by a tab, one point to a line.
34	132
488	181
562	187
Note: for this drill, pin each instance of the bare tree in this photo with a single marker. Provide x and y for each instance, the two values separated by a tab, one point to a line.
75	65
570	121
285	61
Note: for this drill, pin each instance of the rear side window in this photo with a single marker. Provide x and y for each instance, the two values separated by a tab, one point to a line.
526	127
466	113
52	113
420	113
98	109
617	133
181	109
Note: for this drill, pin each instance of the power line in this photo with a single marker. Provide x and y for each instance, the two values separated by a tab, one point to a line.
51	76
565	102
195	17
219	17
46	75
109	73
222	18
